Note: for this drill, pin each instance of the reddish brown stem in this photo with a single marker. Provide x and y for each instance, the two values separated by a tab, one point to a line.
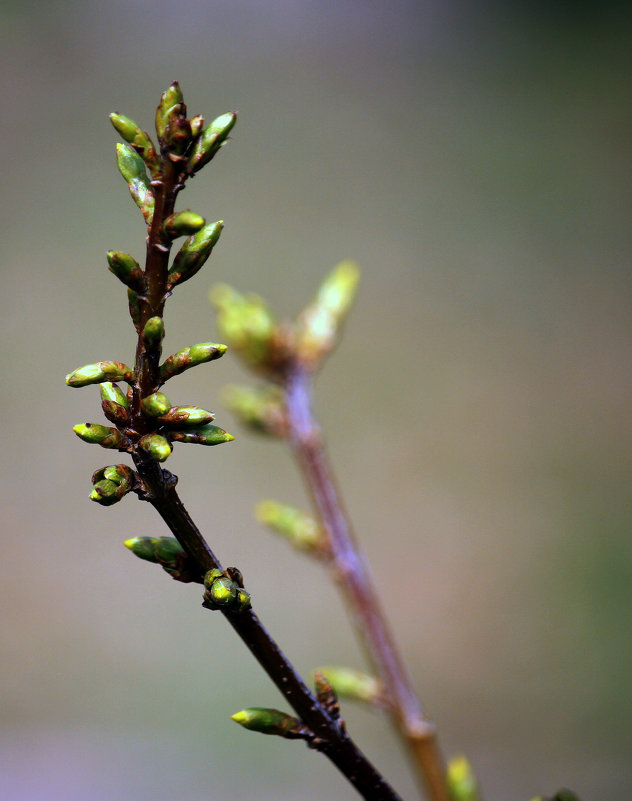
359	589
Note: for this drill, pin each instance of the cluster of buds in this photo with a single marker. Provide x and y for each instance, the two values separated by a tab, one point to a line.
272	347
224	589
144	423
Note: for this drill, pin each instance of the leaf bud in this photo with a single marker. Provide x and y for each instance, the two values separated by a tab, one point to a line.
247	324
354	684
271	721
169	108
112	392
182	223
126	269
132	168
190	357
177	133
197	124
461	780
243	600
138	139
211	575
142	547
114	403
194	252
154	331
97	434
319	323
157	446
288	521
111	483
326	694
187	416
104	492
259	408
211	139
167	549
222	591
120	474
202	435
99	372
156	404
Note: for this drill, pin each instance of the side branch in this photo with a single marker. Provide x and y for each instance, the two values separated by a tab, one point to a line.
356	582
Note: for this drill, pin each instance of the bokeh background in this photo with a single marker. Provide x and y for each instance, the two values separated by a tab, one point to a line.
474	158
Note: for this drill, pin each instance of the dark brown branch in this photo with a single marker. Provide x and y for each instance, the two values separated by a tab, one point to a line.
329	736
357	584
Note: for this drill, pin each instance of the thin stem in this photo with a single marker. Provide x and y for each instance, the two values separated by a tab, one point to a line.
357	584
330	737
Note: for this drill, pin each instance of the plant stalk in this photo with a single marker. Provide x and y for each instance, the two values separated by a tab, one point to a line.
355	580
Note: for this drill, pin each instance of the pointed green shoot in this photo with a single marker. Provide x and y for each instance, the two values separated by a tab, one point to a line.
202	435
99	372
194	252
132	168
96	434
126	269
211	139
139	140
191	357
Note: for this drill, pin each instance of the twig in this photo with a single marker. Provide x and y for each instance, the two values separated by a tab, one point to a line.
354	578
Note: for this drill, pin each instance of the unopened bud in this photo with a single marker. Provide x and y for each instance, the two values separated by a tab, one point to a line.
211	139
326	694
190	357
157	446
194	253
318	324
354	684
182	223
187	416
139	140
156	405
134	307
154	331
132	168
202	435
271	721
461	780
99	372
111	483
246	323
126	269
170	106
197	124
296	526
259	408
97	434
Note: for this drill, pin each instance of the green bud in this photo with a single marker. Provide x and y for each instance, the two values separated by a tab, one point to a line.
197	124
190	357
139	140
319	323
126	269
211	575
296	526
154	331
157	446
246	322
114	403
111	483
156	405
97	434
211	139
142	547
354	684
243	601
261	409
461	781
182	223
202	435
167	549
187	416
169	108
99	372
132	168
194	253
222	591
134	307
270	721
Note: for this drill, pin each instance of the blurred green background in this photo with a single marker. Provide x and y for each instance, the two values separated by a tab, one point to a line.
474	158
